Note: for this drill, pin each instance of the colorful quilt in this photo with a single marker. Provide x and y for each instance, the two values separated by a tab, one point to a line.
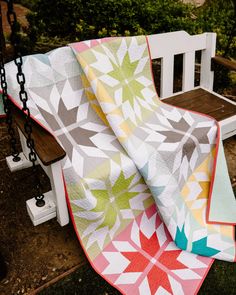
138	172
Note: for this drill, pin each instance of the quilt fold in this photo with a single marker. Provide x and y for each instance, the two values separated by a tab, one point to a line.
138	172
175	150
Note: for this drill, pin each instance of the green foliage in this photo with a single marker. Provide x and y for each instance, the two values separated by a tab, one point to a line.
219	16
86	19
94	18
59	22
54	18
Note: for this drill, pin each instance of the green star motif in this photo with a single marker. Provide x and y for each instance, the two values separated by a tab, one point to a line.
114	199
125	74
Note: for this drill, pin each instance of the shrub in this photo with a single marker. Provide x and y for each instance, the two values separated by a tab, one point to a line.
85	19
89	19
63	21
54	18
219	16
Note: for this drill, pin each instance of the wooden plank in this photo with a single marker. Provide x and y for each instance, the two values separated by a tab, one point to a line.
202	101
46	147
181	99
172	43
229	64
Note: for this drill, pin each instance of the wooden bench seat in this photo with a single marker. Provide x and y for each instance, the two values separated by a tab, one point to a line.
164	47
47	148
199	100
202	101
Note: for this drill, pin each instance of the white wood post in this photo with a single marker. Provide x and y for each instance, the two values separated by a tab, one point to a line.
207	76
54	172
167	76
188	71
57	194
58	188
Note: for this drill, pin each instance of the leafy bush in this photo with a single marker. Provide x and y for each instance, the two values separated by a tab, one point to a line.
86	19
54	18
59	22
219	16
95	18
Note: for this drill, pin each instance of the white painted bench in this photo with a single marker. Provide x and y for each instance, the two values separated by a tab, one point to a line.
164	47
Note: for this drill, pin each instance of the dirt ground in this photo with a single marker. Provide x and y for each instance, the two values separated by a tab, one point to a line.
20	11
34	255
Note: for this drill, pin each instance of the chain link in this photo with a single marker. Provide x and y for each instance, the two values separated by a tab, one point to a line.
11	16
6	104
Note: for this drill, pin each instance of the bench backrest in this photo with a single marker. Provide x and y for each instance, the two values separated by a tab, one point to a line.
166	45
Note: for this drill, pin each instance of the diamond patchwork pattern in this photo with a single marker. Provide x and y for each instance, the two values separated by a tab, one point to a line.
113	208
167	144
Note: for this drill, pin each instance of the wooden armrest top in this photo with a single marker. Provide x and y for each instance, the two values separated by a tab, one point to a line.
230	64
46	147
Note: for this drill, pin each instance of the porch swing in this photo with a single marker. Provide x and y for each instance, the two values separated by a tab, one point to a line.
50	152
38	209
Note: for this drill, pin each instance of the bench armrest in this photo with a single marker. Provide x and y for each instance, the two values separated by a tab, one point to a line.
46	147
230	64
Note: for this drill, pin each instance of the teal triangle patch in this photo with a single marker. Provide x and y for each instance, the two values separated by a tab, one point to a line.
200	247
180	239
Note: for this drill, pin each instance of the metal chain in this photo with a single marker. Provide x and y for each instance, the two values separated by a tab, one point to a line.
11	16
6	104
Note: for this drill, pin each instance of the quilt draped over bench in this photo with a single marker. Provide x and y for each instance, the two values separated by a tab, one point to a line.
146	183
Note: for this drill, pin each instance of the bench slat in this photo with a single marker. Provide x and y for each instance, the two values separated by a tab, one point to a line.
188	71
167	74
202	101
207	76
46	147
